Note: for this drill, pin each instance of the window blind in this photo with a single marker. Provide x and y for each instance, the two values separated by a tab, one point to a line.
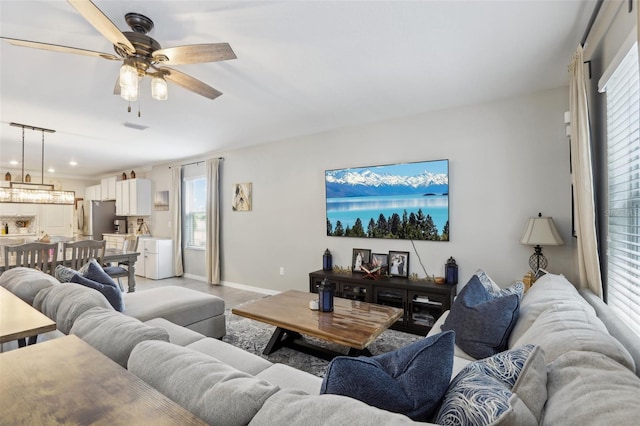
623	159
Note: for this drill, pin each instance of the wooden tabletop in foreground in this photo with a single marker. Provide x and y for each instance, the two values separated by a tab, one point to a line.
19	320
352	323
66	381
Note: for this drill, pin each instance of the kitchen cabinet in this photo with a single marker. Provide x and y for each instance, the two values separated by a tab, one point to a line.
156	258
93	192
18	209
116	240
108	188
55	220
133	197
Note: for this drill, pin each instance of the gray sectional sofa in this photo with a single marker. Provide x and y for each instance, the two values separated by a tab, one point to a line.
590	360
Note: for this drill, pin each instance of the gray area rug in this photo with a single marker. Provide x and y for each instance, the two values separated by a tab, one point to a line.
253	336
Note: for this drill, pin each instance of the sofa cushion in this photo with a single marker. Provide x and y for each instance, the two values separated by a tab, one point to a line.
549	290
178	335
410	380
235	357
64	303
486	391
26	282
481	322
570	326
291	407
590	388
114	334
209	388
179	305
287	377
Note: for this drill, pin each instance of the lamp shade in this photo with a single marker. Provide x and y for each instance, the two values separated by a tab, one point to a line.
541	231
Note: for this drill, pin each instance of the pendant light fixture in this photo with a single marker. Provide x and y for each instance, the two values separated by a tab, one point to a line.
34	193
159	89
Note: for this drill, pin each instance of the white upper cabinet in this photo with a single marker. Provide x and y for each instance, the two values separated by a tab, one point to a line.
108	188
133	197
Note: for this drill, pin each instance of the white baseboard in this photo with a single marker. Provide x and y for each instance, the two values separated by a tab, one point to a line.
250	288
195	277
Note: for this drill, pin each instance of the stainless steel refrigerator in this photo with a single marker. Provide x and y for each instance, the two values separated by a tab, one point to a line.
99	218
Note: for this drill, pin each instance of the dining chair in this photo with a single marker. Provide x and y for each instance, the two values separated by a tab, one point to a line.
76	254
122	269
42	256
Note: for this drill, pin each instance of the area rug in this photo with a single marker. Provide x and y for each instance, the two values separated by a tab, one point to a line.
253	336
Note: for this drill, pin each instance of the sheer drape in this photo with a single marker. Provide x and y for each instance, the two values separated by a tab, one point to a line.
582	177
212	251
176	178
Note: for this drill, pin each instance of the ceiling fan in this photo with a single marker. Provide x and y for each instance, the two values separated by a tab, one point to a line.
141	54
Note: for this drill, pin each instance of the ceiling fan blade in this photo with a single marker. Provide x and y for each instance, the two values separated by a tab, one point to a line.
194	54
189	83
61	49
100	22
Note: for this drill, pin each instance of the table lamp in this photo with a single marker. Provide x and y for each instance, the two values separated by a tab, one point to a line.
540	231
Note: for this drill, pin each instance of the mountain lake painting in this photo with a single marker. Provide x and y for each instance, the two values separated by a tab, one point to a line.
402	201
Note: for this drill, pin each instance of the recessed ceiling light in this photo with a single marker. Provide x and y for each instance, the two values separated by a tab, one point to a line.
73	163
13	162
51	170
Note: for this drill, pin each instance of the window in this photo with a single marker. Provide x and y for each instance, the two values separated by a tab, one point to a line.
623	161
195	224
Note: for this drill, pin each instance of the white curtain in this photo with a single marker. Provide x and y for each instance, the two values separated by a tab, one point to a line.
212	251
176	177
582	177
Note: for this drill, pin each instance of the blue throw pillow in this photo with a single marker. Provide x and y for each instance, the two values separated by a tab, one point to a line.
482	322
95	273
410	380
487	391
111	293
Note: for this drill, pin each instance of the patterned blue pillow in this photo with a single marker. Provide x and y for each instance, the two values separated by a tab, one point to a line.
494	289
481	322
516	288
484	391
410	380
64	274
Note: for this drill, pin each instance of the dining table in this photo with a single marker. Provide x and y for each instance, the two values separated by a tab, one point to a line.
21	321
123	257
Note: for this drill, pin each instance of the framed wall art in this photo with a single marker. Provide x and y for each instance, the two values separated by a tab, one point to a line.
241	197
399	201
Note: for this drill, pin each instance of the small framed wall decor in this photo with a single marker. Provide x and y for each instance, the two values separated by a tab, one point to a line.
399	264
241	197
361	257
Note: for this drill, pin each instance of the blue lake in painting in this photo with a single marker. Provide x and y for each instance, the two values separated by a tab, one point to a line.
348	209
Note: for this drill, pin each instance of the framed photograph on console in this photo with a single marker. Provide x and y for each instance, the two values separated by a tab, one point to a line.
399	264
360	257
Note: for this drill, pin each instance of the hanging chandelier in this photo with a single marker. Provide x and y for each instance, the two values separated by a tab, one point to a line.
34	193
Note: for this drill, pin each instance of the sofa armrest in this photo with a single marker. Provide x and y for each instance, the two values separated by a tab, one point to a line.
615	326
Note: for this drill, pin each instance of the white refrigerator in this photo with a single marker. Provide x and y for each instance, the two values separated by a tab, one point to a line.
156	258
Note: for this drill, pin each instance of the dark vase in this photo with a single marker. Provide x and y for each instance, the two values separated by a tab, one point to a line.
325	296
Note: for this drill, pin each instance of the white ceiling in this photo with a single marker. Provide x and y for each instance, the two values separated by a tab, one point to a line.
303	67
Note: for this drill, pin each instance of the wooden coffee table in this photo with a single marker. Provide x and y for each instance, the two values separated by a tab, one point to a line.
19	320
352	323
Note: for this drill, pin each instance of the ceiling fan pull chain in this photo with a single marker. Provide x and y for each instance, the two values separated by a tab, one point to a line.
129	107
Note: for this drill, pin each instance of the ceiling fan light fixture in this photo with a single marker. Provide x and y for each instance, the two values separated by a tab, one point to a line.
159	90
128	76
129	93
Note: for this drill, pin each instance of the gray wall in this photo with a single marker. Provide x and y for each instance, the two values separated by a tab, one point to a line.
508	160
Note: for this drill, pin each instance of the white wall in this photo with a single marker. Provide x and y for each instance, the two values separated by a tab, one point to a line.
508	160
